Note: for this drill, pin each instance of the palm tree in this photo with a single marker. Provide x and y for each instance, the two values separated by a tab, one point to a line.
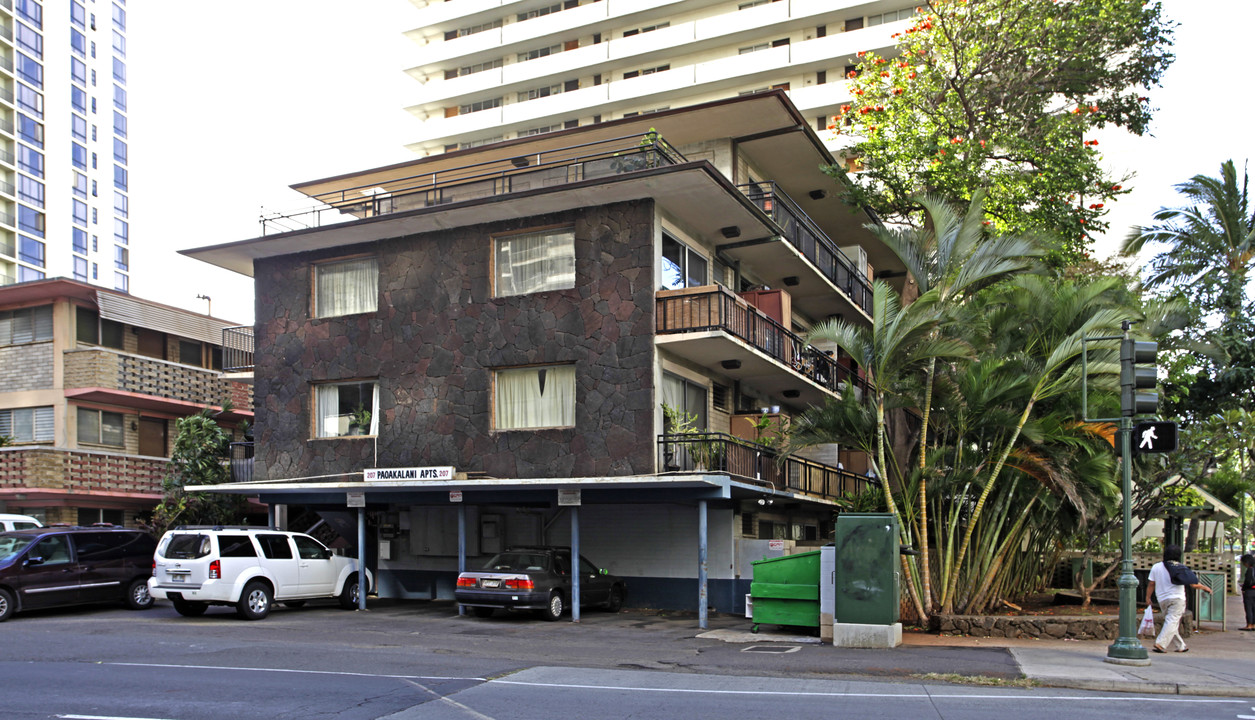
1040	324
1211	243
953	257
898	344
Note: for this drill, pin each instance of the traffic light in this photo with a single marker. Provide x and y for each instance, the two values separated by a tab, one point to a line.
1138	377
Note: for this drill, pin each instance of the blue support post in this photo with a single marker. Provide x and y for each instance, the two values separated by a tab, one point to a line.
701	564
461	546
363	584
270	515
575	564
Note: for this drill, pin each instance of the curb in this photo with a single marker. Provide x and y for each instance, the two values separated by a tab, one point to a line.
1152	688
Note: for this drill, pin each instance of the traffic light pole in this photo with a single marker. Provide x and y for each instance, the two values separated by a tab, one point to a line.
1127	649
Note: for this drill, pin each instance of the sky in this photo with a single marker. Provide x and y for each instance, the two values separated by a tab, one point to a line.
233	101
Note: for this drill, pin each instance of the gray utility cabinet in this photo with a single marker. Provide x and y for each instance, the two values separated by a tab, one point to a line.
868	568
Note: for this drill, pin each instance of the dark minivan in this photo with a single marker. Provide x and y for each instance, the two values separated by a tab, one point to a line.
56	566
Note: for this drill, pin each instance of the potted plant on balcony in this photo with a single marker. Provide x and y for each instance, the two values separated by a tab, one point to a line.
707	453
645	156
702	450
359	421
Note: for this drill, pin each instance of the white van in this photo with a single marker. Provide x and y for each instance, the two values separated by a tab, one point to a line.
18	522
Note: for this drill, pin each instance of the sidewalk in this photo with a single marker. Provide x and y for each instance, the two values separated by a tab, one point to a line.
1218	663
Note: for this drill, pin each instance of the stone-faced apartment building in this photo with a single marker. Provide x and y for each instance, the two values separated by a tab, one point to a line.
91	384
514	317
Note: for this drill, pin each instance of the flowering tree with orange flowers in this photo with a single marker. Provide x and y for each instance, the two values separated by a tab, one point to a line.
1005	95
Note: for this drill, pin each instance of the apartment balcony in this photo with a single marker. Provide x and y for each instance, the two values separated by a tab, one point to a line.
561	166
47	475
237	350
715	328
821	279
135	381
727	454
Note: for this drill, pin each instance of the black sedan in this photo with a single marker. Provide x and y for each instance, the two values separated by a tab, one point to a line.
536	578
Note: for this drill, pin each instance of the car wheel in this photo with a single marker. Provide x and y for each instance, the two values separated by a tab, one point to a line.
137	597
254	602
187	608
7	604
482	612
348	597
294	604
554	609
615	603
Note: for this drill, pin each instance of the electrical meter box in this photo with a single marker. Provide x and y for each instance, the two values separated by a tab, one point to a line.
868	567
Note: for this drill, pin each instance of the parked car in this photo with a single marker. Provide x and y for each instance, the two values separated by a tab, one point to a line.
536	578
250	568
54	566
18	522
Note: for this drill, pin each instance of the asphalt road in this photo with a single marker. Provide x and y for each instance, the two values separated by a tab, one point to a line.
419	660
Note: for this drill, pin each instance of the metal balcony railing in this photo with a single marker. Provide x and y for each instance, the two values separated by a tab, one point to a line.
487	179
802	233
719	309
727	454
242	461
237	349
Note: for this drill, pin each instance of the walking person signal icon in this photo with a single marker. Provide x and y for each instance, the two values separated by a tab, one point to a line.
1155	437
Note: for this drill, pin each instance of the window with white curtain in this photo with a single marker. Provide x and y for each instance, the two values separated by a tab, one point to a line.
535	397
535	262
347	287
345	409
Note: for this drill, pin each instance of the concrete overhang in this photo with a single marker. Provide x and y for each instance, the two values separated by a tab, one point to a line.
152	403
594	490
694	193
766	127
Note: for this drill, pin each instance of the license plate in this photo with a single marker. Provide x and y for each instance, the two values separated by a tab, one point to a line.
490	583
178	578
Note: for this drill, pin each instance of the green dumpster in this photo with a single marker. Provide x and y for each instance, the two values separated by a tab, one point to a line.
785	590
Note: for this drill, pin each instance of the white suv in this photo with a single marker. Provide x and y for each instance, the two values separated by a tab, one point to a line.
250	568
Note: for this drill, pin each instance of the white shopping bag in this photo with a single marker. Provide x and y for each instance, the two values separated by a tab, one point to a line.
1148	623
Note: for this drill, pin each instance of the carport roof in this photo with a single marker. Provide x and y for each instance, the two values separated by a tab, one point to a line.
626	489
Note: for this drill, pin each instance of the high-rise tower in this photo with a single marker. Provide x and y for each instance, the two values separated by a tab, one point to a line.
64	173
500	69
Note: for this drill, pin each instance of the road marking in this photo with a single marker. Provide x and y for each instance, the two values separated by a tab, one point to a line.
102	717
925	696
288	670
772	649
449	701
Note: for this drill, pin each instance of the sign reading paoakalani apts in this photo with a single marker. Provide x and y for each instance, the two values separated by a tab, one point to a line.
418	473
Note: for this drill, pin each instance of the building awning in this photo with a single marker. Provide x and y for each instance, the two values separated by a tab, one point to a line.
595	490
152	403
142	313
